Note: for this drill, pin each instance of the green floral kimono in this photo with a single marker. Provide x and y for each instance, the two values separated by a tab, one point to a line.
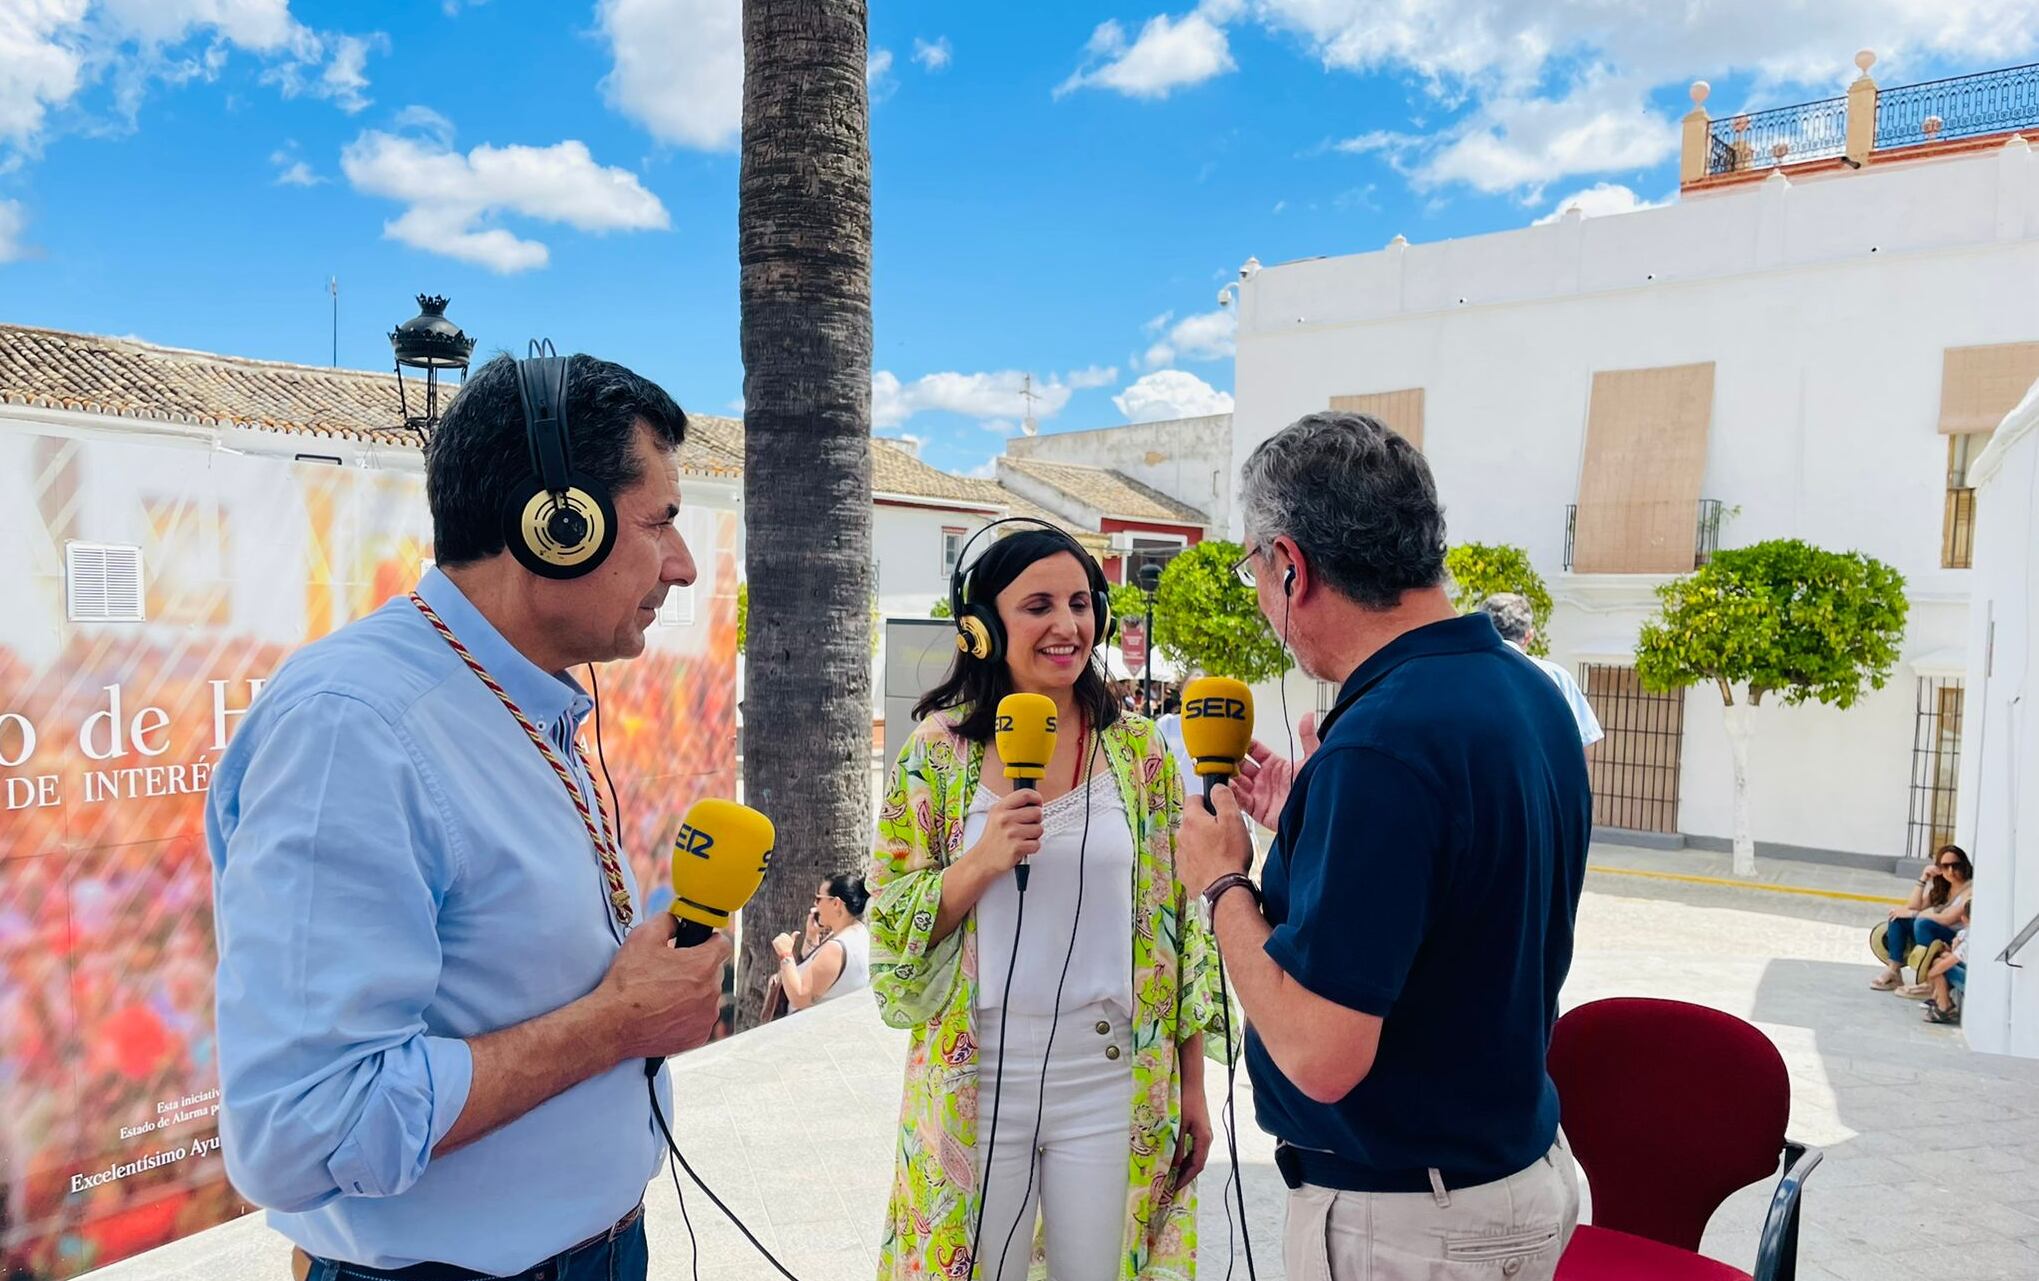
931	989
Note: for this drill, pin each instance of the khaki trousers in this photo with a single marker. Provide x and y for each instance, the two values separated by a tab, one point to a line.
1512	1229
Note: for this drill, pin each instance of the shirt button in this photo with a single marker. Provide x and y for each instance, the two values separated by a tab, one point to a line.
1111	1052
1103	1028
1510	1267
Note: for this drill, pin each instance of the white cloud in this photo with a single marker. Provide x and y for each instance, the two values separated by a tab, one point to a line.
1206	336
341	78
53	51
878	81
1170	54
424	120
1171	393
452	199
678	68
997	400
291	170
1600	199
1159	322
933	56
13	221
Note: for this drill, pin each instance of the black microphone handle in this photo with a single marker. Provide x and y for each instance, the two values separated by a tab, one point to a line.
687	934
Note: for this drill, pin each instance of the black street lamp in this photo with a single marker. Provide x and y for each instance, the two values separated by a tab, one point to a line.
430	342
1150	578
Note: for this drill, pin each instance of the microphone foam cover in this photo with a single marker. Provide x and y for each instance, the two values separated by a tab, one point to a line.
1026	734
1217	724
719	860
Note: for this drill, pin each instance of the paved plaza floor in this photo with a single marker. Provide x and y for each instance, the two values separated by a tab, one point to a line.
1932	1151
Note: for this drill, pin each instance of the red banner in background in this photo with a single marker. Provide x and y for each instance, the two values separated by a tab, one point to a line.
1133	644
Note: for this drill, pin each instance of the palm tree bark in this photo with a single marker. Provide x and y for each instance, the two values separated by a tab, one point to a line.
804	247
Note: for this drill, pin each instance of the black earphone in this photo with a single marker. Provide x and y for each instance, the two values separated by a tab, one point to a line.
978	631
557	522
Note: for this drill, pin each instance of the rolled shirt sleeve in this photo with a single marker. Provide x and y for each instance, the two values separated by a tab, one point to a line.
1364	874
334	866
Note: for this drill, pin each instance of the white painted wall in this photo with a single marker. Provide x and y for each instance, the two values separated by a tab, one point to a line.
907	543
1999	816
1189	459
1825	308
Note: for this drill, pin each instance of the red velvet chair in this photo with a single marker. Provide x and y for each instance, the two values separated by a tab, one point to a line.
1670	1108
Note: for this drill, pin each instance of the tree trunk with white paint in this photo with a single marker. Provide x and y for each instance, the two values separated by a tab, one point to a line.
1740	717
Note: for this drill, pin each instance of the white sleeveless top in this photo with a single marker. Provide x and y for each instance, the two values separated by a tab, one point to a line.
1101	964
856	972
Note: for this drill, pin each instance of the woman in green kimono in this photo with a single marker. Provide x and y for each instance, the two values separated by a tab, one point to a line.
1056	1060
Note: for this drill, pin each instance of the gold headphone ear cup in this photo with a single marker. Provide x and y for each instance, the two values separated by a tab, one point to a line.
973	637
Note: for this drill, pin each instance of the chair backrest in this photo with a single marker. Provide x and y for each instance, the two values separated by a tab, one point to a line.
1669	1108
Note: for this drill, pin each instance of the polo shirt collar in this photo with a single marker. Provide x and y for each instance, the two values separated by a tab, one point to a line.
545	697
1466	634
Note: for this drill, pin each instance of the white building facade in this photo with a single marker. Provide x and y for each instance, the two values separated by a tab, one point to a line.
1813	357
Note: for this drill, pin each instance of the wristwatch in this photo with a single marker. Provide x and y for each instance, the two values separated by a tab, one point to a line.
1224	885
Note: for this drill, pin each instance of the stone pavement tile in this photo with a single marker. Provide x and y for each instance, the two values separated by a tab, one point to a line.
1881	1223
2002	1220
1966	1258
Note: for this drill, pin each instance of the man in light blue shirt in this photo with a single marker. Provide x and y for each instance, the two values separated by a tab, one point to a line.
433	1012
1515	619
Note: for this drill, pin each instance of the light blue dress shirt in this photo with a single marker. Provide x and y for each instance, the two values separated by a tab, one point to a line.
395	869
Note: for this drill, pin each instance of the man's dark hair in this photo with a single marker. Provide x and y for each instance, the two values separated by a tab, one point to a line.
477	455
1356	498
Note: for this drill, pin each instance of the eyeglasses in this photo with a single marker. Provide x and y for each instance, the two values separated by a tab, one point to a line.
1950	865
1243	567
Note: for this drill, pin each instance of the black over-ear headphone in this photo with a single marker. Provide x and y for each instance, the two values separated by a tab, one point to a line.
558	523
978	631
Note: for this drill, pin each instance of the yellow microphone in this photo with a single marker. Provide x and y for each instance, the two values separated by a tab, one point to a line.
1217	727
1026	743
719	860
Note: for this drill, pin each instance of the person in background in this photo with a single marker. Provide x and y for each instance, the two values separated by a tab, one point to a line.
1949	970
1938	906
841	962
1398	1055
1515	619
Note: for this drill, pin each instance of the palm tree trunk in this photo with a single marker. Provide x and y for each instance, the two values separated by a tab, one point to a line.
804	247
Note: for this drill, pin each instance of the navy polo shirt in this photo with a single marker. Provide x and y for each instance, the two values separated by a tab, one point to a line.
1427	871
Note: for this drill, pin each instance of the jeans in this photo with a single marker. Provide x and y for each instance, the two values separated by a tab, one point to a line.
1908	932
622	1259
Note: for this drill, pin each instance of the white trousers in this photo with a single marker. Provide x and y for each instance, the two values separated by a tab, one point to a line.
1079	1163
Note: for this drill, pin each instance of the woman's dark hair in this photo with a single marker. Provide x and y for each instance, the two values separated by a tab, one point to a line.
974	685
1941	890
849	887
477	454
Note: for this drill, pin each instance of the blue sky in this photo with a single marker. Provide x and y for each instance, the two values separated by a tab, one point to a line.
1060	188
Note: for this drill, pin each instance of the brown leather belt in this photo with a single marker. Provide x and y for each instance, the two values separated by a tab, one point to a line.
301	1263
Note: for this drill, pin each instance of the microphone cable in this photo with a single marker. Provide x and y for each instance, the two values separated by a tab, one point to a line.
651	1066
1041	1098
998	1075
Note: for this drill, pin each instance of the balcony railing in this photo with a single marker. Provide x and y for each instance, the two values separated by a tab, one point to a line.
1861	127
1958	107
1782	135
1643	520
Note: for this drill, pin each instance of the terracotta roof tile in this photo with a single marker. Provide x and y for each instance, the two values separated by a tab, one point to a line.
1111	493
127	378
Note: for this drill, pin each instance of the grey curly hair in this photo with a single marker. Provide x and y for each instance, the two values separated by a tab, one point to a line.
1357	498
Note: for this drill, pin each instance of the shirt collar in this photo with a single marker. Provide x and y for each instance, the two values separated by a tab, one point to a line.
1466	634
545	697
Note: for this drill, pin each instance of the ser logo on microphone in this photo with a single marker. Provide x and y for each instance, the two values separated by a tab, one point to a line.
692	840
1216	707
1003	725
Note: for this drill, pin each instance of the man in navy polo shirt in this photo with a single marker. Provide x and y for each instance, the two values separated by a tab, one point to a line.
1400	965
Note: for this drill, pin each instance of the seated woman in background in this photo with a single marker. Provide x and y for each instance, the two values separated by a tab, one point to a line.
842	962
1949	969
1937	908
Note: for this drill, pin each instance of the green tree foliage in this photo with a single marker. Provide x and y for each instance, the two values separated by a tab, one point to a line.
1206	619
1783	617
1480	570
941	609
